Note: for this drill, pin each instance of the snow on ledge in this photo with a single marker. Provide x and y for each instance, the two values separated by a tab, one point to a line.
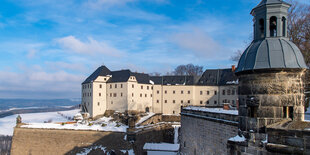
161	147
212	110
142	119
237	138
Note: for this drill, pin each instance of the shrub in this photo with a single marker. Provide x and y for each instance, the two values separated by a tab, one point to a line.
103	124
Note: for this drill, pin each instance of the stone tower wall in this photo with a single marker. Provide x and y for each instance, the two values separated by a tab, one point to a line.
269	93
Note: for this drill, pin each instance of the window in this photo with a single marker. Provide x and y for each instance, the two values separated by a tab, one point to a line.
200	102
133	86
152	87
140	95
252	112
173	112
141	87
145	95
147	87
283	26
99	94
165	91
110	94
215	102
200	92
262	28
188	101
215	92
233	92
273	26
181	91
208	92
110	86
174	92
121	85
223	92
228	92
182	101
207	102
157	101
188	92
173	101
114	95
121	94
151	95
157	91
105	79
132	95
288	112
89	94
115	85
100	86
98	103
165	101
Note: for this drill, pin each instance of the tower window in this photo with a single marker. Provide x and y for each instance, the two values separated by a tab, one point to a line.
284	26
262	28
273	26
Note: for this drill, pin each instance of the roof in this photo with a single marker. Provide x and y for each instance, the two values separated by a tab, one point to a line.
211	77
100	71
161	147
271	53
270	2
217	77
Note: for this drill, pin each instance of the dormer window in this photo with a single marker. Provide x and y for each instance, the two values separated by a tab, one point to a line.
273	26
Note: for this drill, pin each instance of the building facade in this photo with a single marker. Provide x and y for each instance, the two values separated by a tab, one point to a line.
128	91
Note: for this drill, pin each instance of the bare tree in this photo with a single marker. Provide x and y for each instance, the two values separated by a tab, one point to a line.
188	69
236	56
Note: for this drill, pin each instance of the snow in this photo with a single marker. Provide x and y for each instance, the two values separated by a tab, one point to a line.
8	123
213	110
151	82
176	133
232	82
237	138
87	150
161	153
149	115
161	147
96	125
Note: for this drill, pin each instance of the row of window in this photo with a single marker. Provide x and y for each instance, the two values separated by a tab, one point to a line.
229	92
188	101
86	86
86	94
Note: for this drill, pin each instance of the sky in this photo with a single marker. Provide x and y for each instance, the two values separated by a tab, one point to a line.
49	47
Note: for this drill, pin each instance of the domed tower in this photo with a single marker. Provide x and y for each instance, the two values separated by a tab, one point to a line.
270	71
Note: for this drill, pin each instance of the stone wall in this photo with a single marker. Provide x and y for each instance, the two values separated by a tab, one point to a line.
263	98
205	133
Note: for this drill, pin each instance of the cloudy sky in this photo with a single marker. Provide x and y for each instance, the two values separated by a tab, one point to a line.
48	47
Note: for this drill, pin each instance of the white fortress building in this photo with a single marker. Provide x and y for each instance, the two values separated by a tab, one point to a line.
124	90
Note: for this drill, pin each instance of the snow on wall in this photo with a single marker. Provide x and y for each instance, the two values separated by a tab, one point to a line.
213	110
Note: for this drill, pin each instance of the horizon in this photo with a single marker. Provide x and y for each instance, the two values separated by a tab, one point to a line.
48	48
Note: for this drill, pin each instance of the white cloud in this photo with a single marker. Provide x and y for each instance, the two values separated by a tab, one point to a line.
31	53
198	42
91	46
103	4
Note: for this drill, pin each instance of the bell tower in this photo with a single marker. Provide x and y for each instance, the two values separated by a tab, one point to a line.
270	19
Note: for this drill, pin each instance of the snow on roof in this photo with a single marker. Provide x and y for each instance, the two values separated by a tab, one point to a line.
151	82
237	138
161	146
213	110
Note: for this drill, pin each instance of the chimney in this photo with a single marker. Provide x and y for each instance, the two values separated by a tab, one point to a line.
226	106
233	68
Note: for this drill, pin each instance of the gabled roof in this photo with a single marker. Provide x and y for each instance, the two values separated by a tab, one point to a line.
217	77
123	76
100	71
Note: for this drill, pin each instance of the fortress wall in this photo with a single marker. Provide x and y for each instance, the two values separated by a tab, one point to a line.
206	133
44	141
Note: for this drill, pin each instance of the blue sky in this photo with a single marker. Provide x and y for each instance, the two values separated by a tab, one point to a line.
48	47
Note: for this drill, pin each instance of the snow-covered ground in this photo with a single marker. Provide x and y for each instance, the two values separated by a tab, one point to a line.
142	119
7	123
95	125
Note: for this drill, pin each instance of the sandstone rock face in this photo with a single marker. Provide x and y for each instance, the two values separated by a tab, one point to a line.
269	97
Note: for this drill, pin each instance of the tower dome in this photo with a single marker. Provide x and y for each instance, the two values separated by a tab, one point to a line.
271	53
271	48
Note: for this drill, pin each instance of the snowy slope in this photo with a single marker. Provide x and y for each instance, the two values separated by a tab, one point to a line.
7	123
